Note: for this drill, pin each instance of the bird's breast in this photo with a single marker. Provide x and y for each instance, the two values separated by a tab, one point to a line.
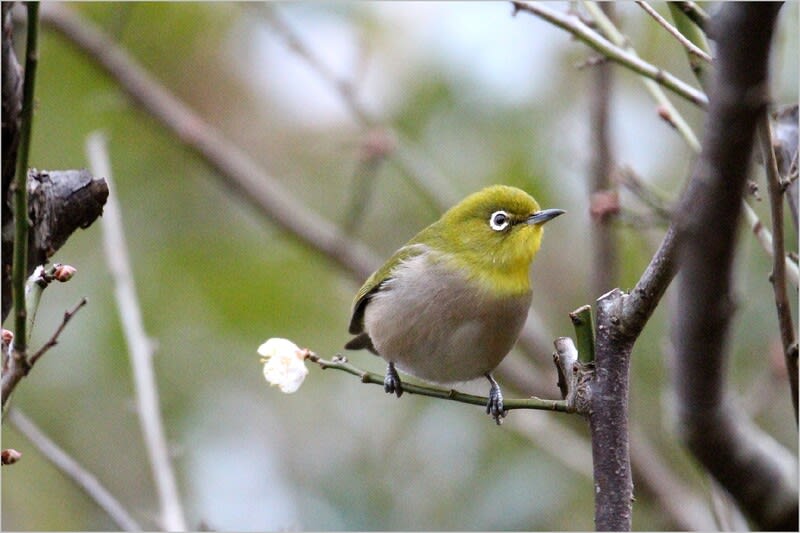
437	323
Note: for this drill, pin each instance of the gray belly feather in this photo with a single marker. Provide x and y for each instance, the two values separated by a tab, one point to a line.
432	324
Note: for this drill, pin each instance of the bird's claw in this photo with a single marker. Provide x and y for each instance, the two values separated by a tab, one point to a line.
494	407
391	382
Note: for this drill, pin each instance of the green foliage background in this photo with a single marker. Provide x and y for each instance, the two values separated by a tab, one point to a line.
216	279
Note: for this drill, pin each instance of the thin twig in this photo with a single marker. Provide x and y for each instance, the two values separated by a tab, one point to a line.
73	470
57	333
140	347
778	278
666	109
672	30
579	29
340	363
694	34
694	12
764	239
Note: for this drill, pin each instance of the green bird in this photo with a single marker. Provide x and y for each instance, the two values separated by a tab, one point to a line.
449	305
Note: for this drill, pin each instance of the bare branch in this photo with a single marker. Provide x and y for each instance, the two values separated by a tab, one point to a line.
672	30
341	363
753	468
694	12
53	340
60	202
73	470
778	278
16	368
608	418
785	143
12	106
140	348
576	27
666	110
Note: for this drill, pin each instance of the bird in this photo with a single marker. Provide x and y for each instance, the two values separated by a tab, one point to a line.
449	305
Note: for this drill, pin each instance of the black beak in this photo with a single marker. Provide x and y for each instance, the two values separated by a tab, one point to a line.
540	217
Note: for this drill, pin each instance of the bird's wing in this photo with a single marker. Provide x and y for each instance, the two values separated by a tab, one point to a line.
378	281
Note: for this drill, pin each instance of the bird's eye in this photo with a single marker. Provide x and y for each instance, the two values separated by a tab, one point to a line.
499	221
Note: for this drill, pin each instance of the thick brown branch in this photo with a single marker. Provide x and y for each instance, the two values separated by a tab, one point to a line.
756	471
12	107
59	203
608	418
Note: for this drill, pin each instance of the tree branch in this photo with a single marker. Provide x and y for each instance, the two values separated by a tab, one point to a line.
12	107
140	347
608	418
576	27
755	470
60	201
74	471
690	47
19	271
694	12
778	277
341	363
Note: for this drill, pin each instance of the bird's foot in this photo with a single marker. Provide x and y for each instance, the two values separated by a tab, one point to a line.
494	407
392	383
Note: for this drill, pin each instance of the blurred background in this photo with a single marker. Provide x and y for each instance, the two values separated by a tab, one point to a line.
476	96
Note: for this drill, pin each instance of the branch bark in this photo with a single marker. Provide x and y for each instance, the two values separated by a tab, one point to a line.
12	108
755	470
60	201
778	276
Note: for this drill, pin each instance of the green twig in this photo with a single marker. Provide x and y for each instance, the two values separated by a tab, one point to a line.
615	52
341	363
584	332
691	31
694	12
20	264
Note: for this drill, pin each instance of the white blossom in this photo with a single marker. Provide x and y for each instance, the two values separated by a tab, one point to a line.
284	364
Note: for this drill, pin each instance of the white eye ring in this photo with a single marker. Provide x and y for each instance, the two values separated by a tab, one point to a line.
499	221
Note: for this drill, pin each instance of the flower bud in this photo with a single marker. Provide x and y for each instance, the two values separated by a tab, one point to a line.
10	456
64	273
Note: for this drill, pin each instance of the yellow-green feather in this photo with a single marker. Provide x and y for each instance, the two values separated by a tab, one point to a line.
497	262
